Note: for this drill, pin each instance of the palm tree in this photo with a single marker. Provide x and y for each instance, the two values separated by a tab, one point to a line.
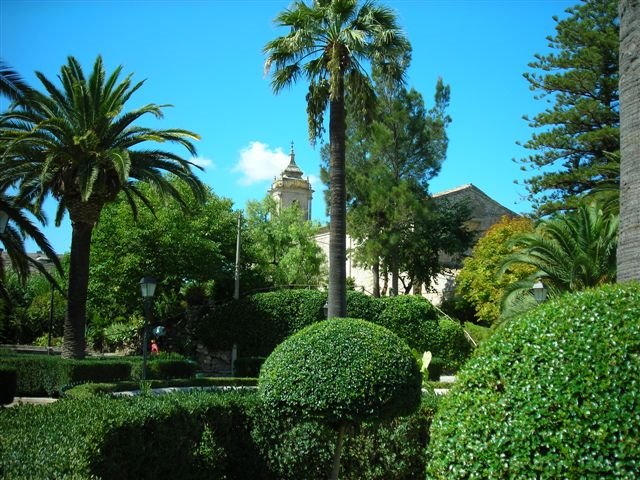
12	85
571	252
329	43
80	146
629	246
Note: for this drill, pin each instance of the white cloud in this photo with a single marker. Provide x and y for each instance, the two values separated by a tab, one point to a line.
258	163
203	162
315	181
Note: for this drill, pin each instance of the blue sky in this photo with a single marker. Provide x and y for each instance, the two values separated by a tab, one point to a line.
205	58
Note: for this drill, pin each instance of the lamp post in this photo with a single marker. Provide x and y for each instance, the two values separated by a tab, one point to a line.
539	291
325	309
45	261
147	288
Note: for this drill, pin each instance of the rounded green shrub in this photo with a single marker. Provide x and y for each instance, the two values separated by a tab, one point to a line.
452	347
360	305
553	394
412	318
342	371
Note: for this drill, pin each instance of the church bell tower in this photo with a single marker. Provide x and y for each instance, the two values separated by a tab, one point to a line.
291	189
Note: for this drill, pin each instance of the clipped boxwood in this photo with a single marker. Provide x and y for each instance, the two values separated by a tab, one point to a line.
553	394
413	319
375	451
39	375
194	436
165	369
341	371
8	380
452	347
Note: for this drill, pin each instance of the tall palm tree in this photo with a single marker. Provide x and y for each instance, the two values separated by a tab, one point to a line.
329	43
629	246
571	252
80	146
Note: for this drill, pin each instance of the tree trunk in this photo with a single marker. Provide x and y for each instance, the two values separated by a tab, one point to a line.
337	206
395	274
76	319
375	270
335	471
629	232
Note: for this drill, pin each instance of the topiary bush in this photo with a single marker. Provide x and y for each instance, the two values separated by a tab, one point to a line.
553	394
160	368
303	449
8	379
451	347
360	305
343	372
413	319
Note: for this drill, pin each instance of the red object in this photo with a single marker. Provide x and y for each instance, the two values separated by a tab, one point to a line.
154	347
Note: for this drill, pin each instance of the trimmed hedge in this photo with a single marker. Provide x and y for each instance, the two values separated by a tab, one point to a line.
8	381
191	436
197	436
39	375
257	324
160	369
553	394
341	370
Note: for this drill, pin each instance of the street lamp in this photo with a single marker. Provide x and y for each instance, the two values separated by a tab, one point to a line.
325	309
539	291
4	220
147	288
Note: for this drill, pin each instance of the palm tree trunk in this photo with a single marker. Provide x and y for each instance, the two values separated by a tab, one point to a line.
629	230
76	319
338	206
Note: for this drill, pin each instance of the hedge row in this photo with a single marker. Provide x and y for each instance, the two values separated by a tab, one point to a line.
8	381
194	436
39	375
258	323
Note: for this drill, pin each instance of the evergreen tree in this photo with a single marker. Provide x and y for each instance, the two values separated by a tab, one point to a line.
573	135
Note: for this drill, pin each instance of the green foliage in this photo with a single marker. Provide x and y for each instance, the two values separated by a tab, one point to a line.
124	336
375	451
158	368
86	390
452	347
412	318
47	375
435	369
479	333
478	281
182	249
8	384
580	79
193	436
553	394
24	315
282	245
342	371
257	324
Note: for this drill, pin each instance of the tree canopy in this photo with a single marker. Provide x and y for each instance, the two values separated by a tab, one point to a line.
579	78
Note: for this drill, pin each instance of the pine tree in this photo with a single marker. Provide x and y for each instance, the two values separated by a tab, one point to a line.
573	136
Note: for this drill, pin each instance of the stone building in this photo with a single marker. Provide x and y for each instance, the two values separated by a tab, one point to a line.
485	212
291	189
